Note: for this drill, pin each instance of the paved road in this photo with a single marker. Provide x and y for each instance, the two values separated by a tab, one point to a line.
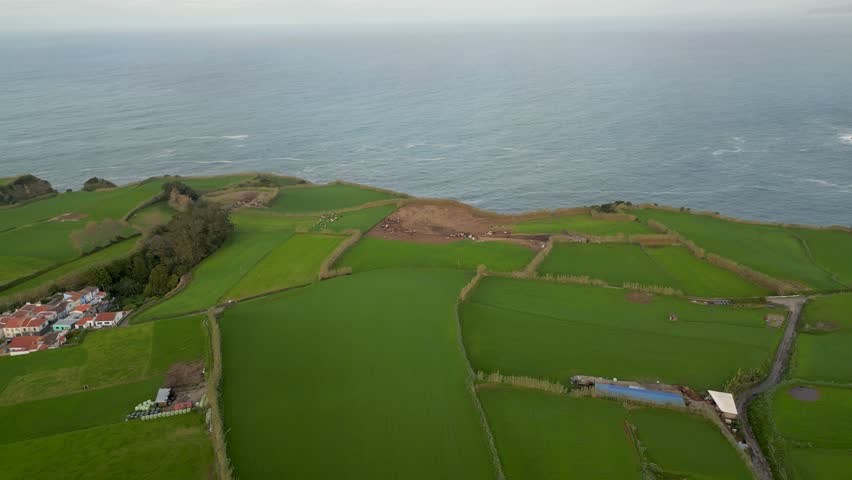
782	358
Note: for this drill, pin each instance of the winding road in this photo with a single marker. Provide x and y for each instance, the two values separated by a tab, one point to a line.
779	364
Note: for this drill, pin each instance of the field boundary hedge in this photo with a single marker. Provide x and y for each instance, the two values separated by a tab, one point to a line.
719	216
326	271
224	469
530	383
470	380
185	279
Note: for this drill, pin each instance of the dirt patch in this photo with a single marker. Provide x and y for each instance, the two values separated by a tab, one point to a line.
804	394
774	320
638	297
821	327
69	217
445	223
243	198
185	374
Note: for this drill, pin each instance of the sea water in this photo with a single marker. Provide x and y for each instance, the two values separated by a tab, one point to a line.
752	118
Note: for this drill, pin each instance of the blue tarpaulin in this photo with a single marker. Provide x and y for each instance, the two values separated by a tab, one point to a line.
663	398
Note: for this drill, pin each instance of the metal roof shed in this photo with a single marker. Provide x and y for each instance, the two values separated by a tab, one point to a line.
163	396
725	402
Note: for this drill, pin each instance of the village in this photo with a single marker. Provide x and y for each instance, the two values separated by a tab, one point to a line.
43	326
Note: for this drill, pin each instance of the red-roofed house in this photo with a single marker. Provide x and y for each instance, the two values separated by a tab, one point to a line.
26	344
73	298
16	326
108	319
85	322
80	310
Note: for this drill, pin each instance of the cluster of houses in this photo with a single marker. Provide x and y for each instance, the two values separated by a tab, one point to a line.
42	326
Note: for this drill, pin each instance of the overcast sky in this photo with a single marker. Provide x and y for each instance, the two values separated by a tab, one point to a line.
53	14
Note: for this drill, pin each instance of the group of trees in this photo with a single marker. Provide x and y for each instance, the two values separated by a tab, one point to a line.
24	188
168	253
96	183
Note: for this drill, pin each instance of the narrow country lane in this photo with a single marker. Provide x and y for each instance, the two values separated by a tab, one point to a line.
779	365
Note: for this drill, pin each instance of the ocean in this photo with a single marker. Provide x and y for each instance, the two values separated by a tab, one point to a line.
750	118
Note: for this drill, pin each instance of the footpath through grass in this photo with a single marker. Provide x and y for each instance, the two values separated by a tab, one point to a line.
621	263
363	373
166	448
553	330
325	198
378	253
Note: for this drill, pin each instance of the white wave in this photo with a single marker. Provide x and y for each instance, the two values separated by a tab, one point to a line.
846	138
825	183
234	137
211	162
723	151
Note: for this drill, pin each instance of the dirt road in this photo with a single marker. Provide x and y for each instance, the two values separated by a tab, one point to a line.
779	364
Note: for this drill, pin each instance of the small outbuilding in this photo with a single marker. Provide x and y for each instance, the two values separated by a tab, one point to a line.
725	403
163	396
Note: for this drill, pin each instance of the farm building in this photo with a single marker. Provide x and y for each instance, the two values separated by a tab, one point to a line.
163	396
639	394
725	403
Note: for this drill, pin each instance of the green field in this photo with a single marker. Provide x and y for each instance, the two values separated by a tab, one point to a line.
362	220
77	411
544	436
552	330
819	464
829	249
295	262
106	255
152	216
376	253
824	423
217	182
620	263
581	223
166	448
823	346
687	446
325	198
362	372
105	358
765	248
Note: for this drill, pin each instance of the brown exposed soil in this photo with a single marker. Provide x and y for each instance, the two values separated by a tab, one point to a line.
69	217
638	297
185	374
243	198
804	394
445	223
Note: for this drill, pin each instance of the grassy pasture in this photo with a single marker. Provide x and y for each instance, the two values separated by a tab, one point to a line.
166	448
217	274
822	347
213	183
765	248
106	255
552	330
824	423
295	262
543	436
829	249
153	215
77	411
362	220
384	396
620	263
378	253
580	223
105	358
325	198
820	464
260	220
687	446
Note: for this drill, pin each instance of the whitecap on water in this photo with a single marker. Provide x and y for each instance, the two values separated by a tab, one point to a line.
846	138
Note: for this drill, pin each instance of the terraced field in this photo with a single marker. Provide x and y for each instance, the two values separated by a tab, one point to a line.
378	253
384	396
553	330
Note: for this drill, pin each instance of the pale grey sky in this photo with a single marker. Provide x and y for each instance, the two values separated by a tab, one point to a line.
49	14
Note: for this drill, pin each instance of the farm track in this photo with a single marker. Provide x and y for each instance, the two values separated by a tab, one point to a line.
779	365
